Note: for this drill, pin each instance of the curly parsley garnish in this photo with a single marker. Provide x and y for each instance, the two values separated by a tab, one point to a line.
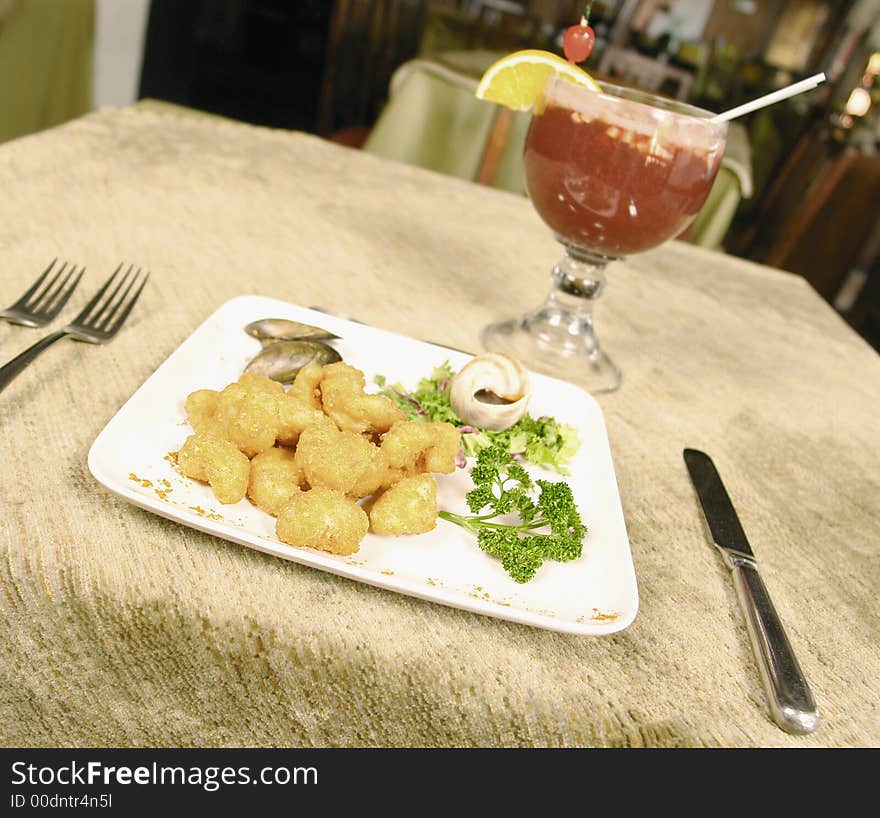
548	527
543	441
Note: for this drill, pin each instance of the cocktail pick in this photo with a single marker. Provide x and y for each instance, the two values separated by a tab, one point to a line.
768	99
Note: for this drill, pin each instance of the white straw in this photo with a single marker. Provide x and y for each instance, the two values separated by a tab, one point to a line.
783	93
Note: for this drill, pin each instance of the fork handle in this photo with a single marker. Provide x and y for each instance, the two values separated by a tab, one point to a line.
19	362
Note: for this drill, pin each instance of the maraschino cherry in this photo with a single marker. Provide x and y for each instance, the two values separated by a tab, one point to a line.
577	42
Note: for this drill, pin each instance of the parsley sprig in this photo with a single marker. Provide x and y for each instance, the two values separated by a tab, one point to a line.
549	525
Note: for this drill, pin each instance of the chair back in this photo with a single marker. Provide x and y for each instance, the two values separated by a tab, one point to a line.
433	120
644	72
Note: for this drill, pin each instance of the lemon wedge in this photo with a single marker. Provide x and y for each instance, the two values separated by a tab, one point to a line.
517	80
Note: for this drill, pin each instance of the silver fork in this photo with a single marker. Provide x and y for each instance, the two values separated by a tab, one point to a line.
45	298
98	322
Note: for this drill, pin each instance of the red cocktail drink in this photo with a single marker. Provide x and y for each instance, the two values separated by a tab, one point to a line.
614	175
611	173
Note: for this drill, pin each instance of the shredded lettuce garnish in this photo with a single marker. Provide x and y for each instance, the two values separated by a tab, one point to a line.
543	441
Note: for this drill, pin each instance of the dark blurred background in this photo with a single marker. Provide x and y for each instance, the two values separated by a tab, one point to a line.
803	187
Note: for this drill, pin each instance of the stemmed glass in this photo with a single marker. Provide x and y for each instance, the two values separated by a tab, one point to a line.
611	173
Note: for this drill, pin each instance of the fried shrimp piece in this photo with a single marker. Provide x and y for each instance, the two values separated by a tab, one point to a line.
249	414
294	416
417	447
260	383
377	476
333	459
352	409
409	507
274	480
201	412
324	519
445	445
343	370
305	385
218	463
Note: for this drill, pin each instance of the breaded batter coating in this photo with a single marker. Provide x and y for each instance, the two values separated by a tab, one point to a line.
377	476
354	410
305	385
446	443
274	479
294	416
249	416
260	383
343	370
417	447
410	507
307	455
343	398
201	412
218	463
333	459
324	519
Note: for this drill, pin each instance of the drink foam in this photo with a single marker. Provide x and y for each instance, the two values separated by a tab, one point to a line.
656	125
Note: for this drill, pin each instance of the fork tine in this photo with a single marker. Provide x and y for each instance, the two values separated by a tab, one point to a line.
96	298
106	320
124	314
97	317
44	302
35	286
35	303
62	294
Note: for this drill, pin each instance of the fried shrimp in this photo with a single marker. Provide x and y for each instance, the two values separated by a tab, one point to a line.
343	370
322	518
377	476
305	385
354	410
249	414
418	447
343	398
260	383
333	459
218	463
294	416
274	479
201	412
409	507
308	454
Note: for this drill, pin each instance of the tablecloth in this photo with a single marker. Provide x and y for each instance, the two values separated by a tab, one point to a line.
121	628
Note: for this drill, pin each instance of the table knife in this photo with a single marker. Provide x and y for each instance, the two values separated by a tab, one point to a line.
791	703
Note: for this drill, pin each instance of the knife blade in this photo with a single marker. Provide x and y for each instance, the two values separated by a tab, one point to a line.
790	700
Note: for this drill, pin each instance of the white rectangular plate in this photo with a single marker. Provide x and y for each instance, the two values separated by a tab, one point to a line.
594	595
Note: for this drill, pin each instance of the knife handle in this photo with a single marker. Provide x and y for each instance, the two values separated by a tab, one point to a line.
791	703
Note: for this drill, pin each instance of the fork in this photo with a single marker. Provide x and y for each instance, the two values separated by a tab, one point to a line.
98	322
36	309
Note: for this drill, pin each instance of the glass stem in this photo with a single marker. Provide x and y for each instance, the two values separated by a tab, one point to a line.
558	338
577	281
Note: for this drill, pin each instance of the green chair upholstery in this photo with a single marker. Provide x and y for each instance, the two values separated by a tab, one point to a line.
46	63
433	120
733	184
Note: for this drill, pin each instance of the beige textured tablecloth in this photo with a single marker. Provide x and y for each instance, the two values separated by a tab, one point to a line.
121	628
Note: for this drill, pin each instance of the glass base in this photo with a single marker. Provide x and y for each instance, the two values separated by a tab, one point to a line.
558	338
550	342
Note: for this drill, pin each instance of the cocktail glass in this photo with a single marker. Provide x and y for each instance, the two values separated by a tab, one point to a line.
611	173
